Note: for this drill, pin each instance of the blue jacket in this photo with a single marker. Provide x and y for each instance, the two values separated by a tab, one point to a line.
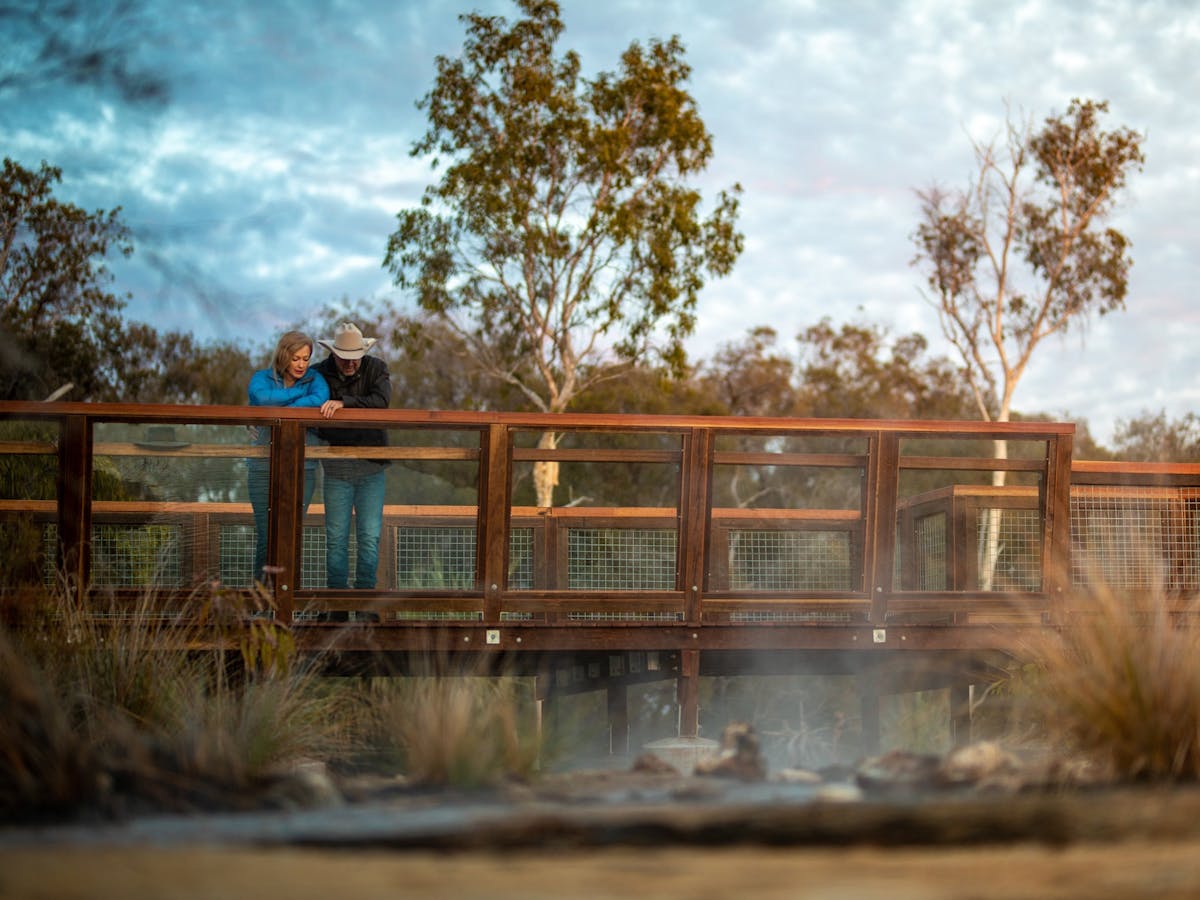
267	389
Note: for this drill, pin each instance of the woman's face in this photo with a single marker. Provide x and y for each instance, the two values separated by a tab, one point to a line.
298	364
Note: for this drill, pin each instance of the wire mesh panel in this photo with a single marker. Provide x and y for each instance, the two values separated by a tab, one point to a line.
1139	540
621	559
236	555
767	616
440	558
625	616
520	559
778	560
1009	549
929	553
312	557
136	556
127	556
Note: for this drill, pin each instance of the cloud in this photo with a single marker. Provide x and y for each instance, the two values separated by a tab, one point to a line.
267	186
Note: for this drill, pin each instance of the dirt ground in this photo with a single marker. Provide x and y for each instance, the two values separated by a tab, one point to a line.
1133	869
569	840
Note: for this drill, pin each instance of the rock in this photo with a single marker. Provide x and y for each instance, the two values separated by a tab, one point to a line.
982	765
740	755
798	776
838	793
898	771
653	764
307	786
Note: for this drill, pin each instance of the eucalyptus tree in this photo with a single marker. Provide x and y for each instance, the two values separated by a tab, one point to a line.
1152	437
60	323
565	232
1025	252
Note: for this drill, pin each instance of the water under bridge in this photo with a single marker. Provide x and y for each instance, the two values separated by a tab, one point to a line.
910	554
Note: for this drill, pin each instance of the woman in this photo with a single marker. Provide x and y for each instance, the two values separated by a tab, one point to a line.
288	382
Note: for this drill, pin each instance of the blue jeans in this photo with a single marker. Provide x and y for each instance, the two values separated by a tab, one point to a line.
362	495
258	480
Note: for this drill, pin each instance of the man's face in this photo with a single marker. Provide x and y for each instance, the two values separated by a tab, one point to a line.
347	366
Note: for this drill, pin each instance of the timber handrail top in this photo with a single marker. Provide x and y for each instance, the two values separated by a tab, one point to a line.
1107	466
466	419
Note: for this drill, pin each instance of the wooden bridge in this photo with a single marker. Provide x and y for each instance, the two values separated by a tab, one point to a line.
911	554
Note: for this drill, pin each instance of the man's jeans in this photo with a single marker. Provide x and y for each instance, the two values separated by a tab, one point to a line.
362	494
258	481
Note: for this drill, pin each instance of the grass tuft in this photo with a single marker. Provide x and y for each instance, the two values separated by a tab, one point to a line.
1120	684
452	730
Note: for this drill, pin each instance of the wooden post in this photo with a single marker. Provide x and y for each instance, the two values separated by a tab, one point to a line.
868	693
694	516
542	692
618	719
688	692
883	485
960	713
492	520
74	490
287	514
1056	511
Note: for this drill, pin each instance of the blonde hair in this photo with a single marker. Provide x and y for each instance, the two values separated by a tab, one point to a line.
289	343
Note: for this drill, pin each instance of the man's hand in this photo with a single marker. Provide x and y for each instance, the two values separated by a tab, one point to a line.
329	407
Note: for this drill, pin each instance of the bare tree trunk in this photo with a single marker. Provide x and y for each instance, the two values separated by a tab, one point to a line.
990	544
545	472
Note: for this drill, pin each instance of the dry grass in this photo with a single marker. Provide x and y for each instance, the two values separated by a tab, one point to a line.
1120	684
111	708
452	729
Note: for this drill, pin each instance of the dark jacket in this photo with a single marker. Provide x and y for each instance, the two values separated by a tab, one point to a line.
369	388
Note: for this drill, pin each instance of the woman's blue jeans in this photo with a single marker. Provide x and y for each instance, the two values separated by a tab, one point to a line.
362	495
258	480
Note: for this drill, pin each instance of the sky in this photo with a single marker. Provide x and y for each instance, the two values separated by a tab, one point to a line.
263	185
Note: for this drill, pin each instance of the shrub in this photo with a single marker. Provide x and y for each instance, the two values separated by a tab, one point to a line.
1120	683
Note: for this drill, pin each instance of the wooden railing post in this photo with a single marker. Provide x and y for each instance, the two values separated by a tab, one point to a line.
694	517
491	560
1056	546
74	491
287	514
687	688
883	485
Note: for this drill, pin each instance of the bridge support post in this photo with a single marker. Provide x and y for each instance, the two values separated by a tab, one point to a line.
960	713
618	719
541	696
688	693
868	693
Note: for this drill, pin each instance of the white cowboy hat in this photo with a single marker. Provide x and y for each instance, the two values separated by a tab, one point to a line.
348	342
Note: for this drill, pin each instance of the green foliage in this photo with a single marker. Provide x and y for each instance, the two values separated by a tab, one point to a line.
751	378
1151	437
58	322
859	371
61	325
1023	252
175	368
563	226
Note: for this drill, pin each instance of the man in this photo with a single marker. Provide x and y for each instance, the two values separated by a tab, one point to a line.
353	485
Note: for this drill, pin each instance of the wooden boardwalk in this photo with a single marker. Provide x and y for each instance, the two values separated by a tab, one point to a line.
912	554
